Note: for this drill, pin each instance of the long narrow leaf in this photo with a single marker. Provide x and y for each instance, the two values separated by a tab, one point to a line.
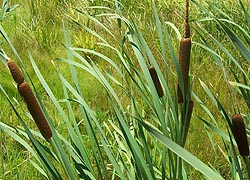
184	154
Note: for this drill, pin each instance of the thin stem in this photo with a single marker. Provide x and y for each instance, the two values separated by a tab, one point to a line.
187	28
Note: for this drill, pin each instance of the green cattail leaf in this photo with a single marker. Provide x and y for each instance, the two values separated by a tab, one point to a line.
134	147
204	107
246	13
240	85
245	91
142	137
176	30
216	103
12	133
160	33
183	153
90	115
39	169
102	56
95	20
242	30
237	42
91	32
224	50
78	143
217	130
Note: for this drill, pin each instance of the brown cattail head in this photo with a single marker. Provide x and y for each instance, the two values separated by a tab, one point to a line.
15	72
34	109
188	119
184	62
156	81
239	132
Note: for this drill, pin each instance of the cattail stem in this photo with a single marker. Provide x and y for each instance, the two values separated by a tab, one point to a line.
156	81
188	119
184	57
239	133
187	28
34	109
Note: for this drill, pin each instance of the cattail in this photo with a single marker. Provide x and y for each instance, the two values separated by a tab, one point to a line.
15	72
184	56
188	119
184	61
239	133
156	81
34	109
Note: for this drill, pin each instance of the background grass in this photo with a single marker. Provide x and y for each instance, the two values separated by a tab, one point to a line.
37	28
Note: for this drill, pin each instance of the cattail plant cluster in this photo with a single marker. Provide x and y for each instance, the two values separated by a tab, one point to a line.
156	81
239	133
184	63
26	92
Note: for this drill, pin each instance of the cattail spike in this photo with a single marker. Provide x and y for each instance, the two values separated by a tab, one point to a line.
184	62
239	132
34	109
156	81
15	72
